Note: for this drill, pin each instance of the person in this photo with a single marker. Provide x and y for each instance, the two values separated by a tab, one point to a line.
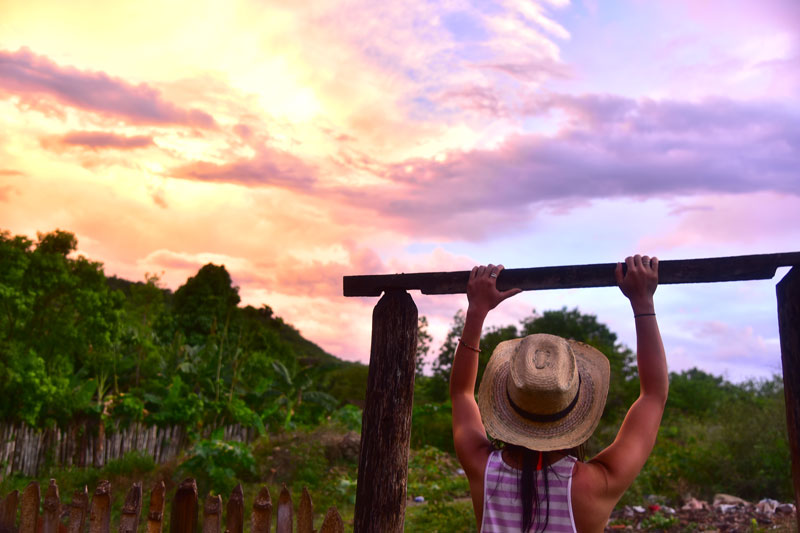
543	397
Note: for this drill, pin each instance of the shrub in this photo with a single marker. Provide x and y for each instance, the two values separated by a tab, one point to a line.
217	465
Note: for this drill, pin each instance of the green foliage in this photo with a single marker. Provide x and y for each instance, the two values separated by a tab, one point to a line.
432	424
659	521
218	465
134	463
349	417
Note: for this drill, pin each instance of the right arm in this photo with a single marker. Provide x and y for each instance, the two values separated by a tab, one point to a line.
621	462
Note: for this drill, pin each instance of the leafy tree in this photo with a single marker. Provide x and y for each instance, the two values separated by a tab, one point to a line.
424	340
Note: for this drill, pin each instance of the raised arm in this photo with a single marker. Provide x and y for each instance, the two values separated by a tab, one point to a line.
621	462
469	435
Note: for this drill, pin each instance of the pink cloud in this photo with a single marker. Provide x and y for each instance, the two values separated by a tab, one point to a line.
27	74
98	140
267	167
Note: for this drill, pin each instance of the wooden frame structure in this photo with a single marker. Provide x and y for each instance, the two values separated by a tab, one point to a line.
386	428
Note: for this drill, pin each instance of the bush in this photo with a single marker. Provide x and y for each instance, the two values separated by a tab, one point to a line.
217	465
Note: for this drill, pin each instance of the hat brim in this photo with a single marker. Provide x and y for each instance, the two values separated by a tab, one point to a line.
503	422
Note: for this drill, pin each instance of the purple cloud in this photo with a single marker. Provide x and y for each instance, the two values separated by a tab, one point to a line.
25	73
102	140
609	147
267	167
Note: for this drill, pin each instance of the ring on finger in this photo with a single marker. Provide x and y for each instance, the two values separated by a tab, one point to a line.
493	274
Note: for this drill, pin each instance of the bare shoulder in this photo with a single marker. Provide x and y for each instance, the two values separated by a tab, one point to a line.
590	503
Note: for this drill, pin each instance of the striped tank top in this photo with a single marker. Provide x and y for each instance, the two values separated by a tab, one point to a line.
502	507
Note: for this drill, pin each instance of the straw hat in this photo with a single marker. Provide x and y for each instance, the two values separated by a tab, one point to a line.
543	392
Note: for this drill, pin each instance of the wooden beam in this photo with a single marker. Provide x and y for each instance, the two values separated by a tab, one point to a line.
386	427
737	268
788	291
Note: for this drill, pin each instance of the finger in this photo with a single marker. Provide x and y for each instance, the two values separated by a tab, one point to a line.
645	261
618	273
473	273
637	261
509	293
629	263
481	272
654	264
490	270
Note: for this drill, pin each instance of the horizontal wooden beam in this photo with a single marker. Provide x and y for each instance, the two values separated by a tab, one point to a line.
736	268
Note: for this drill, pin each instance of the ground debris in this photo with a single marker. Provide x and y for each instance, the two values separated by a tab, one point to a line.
727	514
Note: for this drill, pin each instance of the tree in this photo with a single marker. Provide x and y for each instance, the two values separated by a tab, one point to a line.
423	344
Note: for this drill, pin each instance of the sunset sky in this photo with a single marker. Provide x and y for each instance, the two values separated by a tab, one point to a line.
298	142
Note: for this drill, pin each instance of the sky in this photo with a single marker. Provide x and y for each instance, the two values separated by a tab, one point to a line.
299	142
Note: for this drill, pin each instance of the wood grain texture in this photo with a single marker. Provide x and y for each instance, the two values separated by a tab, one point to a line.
52	509
155	514
78	509
183	516
333	522
386	426
8	512
260	519
715	269
100	511
212	514
234	511
305	513
285	521
131	510
29	510
788	292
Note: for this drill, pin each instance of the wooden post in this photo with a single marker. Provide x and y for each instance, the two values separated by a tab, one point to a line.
788	291
8	513
183	517
129	523
386	427
155	514
305	513
333	522
260	520
285	520
52	509
29	512
234	512
100	513
77	511
212	514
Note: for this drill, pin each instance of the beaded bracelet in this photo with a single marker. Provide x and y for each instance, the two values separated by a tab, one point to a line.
465	345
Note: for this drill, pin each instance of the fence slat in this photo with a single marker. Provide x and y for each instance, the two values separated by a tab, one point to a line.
285	518
29	512
156	511
183	518
305	513
211	514
260	520
8	512
129	523
77	510
234	513
333	522
100	514
52	509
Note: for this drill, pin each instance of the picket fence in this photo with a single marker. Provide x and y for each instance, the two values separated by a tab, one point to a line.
25	449
60	517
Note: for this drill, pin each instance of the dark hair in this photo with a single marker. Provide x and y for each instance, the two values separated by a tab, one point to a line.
528	488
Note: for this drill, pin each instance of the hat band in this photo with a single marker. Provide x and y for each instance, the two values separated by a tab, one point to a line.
536	417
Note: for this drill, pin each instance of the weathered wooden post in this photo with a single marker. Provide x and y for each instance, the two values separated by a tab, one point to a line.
788	292
386	427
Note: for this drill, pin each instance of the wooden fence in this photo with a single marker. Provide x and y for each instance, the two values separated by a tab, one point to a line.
183	518
25	450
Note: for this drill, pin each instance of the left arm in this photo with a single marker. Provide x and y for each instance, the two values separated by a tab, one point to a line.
472	446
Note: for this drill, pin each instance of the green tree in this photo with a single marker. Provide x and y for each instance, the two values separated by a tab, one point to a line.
424	340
